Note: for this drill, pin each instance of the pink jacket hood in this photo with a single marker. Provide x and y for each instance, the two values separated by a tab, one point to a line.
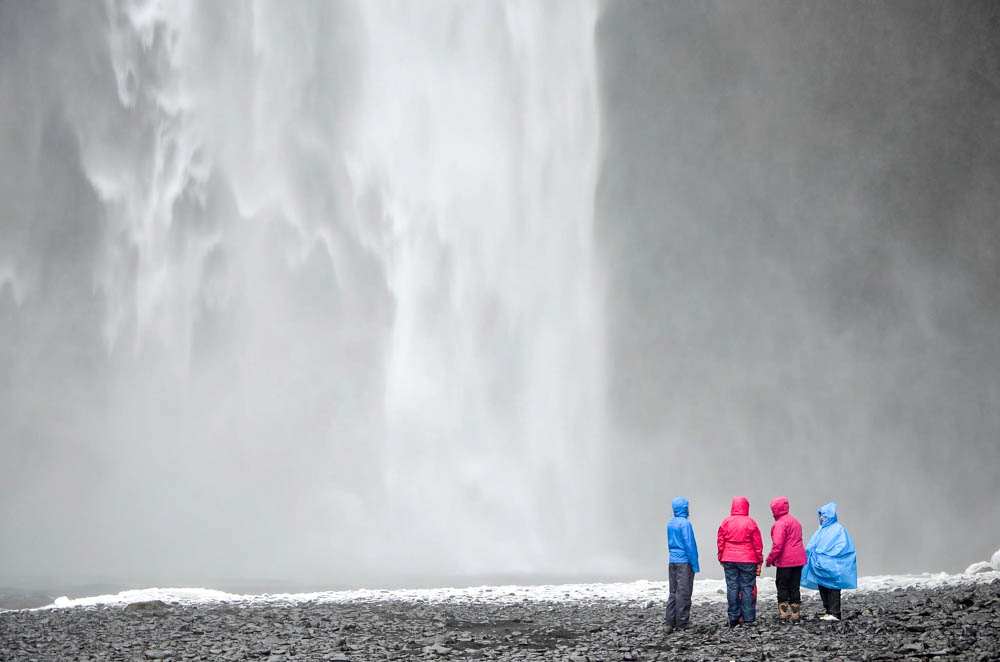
741	506
779	507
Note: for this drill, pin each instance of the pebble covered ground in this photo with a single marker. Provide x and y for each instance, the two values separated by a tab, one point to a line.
957	622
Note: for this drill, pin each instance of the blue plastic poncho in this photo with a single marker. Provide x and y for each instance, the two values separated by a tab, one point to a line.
832	561
680	536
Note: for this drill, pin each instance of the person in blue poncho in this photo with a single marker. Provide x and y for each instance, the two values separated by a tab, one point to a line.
832	562
683	565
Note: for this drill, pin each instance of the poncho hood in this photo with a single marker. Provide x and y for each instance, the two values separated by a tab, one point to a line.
828	514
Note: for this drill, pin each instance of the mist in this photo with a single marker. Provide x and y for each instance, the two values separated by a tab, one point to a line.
300	293
345	293
798	209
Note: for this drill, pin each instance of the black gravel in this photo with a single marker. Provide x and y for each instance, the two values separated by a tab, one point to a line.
954	623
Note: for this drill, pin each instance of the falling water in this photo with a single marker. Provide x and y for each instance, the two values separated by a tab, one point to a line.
340	270
475	152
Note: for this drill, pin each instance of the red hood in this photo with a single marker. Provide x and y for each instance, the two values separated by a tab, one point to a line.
740	506
779	507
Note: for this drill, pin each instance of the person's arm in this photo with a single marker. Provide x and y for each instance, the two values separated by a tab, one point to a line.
758	546
777	543
691	545
721	542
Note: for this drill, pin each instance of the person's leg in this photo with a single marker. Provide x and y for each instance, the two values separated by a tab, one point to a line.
671	615
732	588
794	595
834	608
781	584
794	580
685	586
831	603
781	579
747	577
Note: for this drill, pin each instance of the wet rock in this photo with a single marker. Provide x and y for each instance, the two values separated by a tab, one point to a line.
147	605
909	624
437	648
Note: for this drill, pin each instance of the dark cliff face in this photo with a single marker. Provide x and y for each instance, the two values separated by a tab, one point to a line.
798	207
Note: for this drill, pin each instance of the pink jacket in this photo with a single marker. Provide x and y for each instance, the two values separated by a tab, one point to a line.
739	537
786	537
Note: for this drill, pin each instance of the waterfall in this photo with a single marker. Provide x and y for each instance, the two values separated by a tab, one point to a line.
346	288
475	150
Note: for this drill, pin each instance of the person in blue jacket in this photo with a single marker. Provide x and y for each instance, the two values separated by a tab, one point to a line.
831	561
683	565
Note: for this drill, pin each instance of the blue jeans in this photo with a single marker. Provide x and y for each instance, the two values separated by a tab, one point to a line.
740	578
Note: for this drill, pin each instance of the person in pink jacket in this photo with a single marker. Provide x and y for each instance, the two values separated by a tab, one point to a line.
789	555
741	554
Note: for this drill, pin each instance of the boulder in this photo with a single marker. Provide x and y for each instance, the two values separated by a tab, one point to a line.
148	605
437	648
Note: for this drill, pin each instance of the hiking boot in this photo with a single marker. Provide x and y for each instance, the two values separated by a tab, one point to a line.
796	607
783	611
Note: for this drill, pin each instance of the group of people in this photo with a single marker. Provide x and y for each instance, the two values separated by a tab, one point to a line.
827	563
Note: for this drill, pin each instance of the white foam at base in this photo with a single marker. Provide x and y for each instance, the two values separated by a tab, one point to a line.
638	592
985	566
979	566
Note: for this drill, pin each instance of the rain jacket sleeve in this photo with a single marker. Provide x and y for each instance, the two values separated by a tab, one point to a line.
758	546
777	541
721	543
691	545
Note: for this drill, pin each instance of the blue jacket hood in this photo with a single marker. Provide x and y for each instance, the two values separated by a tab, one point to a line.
680	505
828	514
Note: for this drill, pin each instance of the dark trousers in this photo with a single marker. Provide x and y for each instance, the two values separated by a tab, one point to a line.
740	578
679	602
831	600
786	580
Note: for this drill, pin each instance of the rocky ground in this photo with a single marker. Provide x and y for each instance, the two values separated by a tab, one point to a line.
953	622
